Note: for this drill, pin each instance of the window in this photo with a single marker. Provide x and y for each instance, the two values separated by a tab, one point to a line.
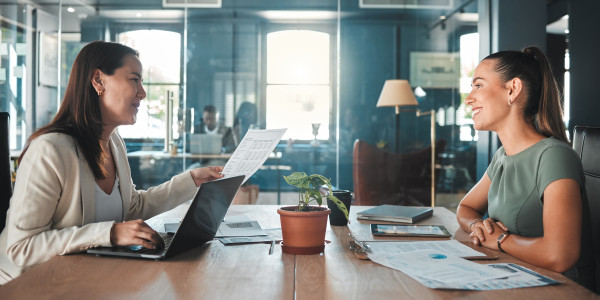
469	58
298	92
161	75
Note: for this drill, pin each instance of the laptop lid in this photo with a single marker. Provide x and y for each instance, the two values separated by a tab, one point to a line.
198	226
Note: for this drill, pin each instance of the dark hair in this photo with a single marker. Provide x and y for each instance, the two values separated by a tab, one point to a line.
211	109
79	114
543	106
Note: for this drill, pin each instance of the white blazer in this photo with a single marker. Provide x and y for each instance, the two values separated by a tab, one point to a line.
52	210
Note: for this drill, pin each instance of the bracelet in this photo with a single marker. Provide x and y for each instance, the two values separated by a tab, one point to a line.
473	223
501	239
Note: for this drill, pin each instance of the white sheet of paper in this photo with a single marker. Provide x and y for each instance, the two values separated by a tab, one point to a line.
517	277
431	265
252	152
244	228
449	247
520	277
273	234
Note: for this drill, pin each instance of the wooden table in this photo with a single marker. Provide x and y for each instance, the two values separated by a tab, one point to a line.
215	271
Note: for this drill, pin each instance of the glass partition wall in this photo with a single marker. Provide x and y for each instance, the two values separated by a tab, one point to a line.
314	67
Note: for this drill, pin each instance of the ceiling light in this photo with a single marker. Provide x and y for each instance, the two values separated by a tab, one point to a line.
70	9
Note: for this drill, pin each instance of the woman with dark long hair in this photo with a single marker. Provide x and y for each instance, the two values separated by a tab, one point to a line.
74	189
533	189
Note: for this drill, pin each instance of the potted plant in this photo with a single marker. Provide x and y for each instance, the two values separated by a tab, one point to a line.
303	226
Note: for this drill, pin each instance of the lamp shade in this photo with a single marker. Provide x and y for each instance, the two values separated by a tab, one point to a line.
396	92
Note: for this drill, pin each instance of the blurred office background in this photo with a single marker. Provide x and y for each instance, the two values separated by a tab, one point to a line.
316	67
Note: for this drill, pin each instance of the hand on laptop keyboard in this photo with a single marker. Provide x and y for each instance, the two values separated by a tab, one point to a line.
135	232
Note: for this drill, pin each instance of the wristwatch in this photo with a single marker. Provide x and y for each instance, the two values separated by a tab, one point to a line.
502	238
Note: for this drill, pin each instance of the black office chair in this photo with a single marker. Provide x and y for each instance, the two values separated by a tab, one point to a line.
586	142
5	181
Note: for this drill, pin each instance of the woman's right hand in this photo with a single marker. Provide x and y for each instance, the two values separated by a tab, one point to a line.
483	228
135	232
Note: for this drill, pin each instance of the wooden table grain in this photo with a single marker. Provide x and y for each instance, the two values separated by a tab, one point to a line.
216	271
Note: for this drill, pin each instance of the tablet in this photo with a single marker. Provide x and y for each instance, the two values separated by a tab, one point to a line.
409	230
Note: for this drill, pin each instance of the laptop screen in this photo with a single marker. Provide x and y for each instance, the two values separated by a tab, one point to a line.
206	213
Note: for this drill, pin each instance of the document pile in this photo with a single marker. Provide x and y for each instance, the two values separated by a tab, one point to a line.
241	230
438	269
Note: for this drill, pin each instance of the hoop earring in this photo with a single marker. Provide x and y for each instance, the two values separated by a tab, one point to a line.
100	93
509	102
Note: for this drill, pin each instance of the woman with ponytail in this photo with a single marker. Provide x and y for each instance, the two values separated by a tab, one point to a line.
533	189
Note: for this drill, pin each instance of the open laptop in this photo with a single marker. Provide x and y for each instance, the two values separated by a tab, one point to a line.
199	225
206	143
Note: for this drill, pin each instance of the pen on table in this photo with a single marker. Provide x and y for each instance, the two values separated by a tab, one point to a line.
272	246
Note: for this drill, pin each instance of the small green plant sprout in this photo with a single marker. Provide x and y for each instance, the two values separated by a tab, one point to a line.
309	190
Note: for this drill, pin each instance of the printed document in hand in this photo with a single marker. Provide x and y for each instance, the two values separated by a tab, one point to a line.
252	152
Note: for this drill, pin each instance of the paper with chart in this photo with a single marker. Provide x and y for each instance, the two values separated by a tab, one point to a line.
439	271
252	152
430	265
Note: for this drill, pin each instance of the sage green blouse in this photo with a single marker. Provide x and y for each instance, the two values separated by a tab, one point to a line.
517	185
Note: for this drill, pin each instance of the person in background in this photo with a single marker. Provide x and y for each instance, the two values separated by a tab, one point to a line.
73	189
210	125
533	189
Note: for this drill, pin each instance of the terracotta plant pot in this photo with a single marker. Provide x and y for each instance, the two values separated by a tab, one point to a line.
303	232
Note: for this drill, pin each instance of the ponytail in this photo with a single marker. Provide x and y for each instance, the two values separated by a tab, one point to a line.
543	105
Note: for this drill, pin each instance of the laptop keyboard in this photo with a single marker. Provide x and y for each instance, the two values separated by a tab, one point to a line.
167	238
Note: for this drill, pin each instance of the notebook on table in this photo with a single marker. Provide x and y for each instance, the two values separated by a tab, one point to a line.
396	213
200	224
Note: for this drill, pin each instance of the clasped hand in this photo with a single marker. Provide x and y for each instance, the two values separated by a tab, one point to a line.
486	232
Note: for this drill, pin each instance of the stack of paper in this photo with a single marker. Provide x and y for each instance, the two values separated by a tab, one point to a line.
242	230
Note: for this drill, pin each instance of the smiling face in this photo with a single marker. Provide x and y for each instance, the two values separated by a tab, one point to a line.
122	93
488	97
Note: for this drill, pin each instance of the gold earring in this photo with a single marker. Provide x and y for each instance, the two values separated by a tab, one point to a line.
100	93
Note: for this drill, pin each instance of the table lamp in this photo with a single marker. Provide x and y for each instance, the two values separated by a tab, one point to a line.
397	93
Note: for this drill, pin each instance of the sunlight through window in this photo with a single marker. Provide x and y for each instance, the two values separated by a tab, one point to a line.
161	73
298	90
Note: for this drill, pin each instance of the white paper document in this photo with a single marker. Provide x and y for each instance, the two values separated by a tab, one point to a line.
244	228
450	247
431	265
252	152
272	234
439	271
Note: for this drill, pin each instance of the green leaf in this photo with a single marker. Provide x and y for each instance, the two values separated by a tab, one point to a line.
309	188
339	204
316	195
298	179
